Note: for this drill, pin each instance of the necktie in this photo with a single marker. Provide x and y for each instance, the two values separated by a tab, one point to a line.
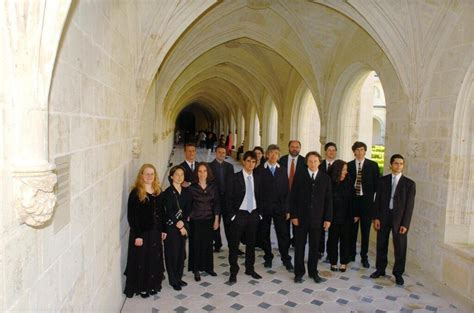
272	169
394	186
292	173
329	164
358	184
312	176
249	193
192	167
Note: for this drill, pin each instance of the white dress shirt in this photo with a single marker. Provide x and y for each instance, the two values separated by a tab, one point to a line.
395	180
243	206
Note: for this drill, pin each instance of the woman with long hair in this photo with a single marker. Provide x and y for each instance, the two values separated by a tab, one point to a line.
260	156
204	219
343	215
145	215
176	203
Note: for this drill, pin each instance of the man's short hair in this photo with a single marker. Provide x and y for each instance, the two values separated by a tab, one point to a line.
396	156
316	154
330	144
294	140
221	147
273	147
249	154
189	144
359	144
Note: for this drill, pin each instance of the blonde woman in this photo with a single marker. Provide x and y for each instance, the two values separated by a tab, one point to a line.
145	267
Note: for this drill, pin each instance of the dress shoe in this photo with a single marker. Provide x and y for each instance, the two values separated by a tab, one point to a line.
253	274
232	279
211	272
197	276
129	295
289	266
267	264
176	287
153	292
241	252
317	279
334	268
182	283
298	279
144	294
343	268
377	274
365	263
399	280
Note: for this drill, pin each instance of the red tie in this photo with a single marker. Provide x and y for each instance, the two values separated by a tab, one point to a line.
292	173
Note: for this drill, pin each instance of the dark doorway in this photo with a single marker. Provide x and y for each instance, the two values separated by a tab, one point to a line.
186	125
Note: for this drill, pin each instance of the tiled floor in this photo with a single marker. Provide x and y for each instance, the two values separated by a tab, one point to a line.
352	291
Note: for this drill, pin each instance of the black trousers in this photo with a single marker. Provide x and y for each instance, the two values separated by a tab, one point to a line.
243	226
283	236
399	247
363	203
339	235
303	232
216	237
322	242
175	253
200	245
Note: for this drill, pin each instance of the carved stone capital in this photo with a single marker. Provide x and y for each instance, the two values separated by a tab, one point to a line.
136	147
34	196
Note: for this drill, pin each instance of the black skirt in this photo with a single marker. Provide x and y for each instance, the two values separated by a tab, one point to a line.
200	245
145	265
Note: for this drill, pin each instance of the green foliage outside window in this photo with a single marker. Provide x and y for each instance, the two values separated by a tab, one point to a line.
378	156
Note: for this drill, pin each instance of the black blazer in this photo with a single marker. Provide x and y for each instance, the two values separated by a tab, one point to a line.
370	176
300	169
235	191
342	201
171	198
322	166
311	201
144	216
228	173
188	173
273	191
403	201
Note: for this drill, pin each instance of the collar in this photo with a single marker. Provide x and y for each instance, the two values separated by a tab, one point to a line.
397	177
246	175
268	165
311	173
189	163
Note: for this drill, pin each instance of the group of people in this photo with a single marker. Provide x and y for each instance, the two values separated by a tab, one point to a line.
304	197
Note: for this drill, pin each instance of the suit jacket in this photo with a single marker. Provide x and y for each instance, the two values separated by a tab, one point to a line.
300	169
311	201
228	173
273	191
403	201
322	166
235	191
188	173
370	176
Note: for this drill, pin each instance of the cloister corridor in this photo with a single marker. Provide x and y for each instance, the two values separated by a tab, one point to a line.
92	89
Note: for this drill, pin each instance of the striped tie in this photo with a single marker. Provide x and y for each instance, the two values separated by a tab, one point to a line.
358	184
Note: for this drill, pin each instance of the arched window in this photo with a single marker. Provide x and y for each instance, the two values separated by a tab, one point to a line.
309	124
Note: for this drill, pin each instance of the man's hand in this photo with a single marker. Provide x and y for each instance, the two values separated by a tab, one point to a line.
295	221
180	224
403	230
326	225
138	242
376	224
287	216
163	236
356	219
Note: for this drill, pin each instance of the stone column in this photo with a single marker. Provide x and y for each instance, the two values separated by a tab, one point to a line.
32	30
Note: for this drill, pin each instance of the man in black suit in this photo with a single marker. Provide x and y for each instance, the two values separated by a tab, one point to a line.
223	172
310	205
295	165
242	193
365	173
393	210
189	164
330	151
273	205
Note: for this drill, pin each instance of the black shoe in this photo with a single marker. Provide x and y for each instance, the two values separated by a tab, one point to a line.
334	268
129	295
317	279
241	252
232	279
399	280
197	276
182	283
212	273
289	266
267	264
298	279
377	274
253	274
176	287
144	294
153	292
365	263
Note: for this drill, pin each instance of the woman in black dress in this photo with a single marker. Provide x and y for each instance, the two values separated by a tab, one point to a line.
204	219
176	203
343	215
145	268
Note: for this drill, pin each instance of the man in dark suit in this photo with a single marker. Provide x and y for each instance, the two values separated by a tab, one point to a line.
223	171
242	193
330	151
295	165
273	205
189	163
310	205
393	210
365	173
